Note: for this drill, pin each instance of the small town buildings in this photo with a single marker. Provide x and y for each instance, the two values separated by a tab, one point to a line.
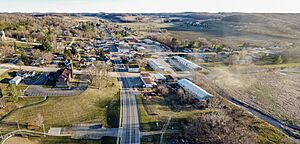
147	80
194	90
16	80
155	65
188	64
133	68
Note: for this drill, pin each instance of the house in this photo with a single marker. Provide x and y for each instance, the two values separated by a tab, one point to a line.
194	90
155	65
123	49
133	68
147	80
16	80
63	77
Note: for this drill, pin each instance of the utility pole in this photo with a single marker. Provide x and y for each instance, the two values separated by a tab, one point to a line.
44	130
164	129
18	125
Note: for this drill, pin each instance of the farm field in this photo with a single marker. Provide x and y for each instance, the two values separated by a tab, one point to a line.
272	89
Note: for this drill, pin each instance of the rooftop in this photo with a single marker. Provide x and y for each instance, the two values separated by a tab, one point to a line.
195	90
145	75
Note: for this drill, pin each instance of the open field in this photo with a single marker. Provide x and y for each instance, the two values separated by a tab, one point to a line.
273	89
90	106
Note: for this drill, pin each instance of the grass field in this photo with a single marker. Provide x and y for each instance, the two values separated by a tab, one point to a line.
4	79
65	111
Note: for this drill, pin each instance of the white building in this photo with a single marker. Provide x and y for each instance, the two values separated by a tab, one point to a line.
193	89
133	68
148	41
147	80
155	65
16	80
190	65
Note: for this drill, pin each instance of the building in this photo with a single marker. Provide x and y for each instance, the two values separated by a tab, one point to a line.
63	77
16	80
159	77
155	65
133	68
123	49
148	41
188	64
193	89
147	80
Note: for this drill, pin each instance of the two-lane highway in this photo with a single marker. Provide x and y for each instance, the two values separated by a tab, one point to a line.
129	129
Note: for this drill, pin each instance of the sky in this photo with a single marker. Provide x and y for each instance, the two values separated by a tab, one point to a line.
150	6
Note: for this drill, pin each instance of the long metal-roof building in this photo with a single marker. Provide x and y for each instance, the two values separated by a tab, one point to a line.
195	90
190	65
155	65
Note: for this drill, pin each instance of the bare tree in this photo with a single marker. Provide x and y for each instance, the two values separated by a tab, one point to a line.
180	92
6	51
217	127
48	57
98	74
36	53
163	89
20	63
39	120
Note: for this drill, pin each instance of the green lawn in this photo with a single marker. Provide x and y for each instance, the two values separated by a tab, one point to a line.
4	79
65	111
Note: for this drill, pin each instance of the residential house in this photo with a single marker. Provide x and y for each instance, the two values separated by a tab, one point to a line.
63	77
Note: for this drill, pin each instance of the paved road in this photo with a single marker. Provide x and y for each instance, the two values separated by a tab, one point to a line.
129	129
